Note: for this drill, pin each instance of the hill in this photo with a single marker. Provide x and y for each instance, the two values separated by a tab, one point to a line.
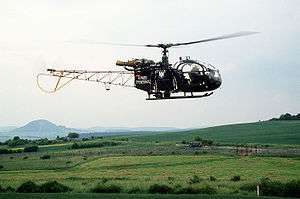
268	132
46	129
39	128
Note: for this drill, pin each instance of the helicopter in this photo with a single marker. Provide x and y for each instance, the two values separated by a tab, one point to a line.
161	80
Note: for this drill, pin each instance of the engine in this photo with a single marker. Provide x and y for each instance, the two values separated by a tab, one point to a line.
135	63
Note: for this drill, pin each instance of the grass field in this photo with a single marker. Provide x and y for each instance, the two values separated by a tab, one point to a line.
124	196
268	132
141	161
142	171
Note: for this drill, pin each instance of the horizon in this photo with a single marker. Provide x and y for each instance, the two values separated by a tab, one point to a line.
99	126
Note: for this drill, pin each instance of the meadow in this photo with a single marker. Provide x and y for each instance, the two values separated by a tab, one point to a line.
142	171
139	161
124	196
265	133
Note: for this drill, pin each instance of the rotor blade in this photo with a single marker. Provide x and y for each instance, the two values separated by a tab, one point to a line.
238	34
168	45
83	41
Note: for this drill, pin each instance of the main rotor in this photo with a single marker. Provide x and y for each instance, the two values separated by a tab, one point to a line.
165	58
165	46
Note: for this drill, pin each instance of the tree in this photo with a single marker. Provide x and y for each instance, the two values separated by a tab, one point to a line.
16	138
286	116
73	135
17	141
198	139
31	149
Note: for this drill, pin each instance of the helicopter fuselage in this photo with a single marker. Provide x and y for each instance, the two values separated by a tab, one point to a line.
185	76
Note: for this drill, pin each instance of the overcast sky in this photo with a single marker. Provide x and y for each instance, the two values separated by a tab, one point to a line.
261	73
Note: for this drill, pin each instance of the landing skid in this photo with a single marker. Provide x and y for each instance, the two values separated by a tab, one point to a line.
182	97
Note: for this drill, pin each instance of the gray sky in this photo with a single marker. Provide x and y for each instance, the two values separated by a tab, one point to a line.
260	72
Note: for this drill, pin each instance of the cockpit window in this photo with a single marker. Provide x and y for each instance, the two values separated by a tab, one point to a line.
190	67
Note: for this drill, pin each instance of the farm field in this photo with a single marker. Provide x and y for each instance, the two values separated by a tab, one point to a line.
266	132
142	171
136	162
124	196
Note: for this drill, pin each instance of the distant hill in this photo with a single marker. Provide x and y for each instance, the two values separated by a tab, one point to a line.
46	129
39	128
268	132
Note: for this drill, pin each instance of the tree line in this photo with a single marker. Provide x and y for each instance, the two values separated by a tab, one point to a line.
287	116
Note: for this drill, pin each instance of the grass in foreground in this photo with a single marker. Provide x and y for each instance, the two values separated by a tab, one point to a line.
142	171
124	196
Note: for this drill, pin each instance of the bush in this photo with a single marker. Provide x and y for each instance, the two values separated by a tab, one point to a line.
292	188
276	188
44	157
1	166
9	189
188	190
10	151
208	190
31	149
212	178
28	187
195	179
25	157
198	139
207	142
2	189
250	187
171	178
135	190
196	190
5	151
271	188
160	188
103	188
93	144
73	135
17	141
54	187
104	180
235	178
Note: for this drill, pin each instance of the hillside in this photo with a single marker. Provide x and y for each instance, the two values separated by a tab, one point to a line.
39	128
268	132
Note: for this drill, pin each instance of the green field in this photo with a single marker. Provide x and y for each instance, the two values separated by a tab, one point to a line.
268	132
142	171
124	196
140	161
